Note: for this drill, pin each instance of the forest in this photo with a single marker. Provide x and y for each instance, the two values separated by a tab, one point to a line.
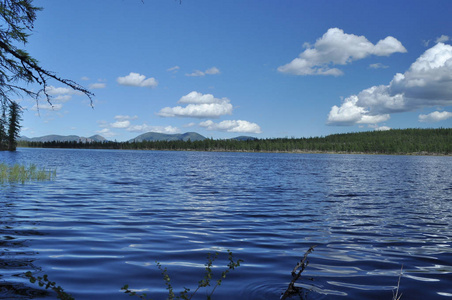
395	141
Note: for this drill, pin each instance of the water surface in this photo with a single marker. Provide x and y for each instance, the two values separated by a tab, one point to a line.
110	215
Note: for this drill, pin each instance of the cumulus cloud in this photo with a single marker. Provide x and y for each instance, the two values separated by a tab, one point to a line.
106	132
135	79
120	124
232	126
159	129
427	83
338	48
435	116
382	128
58	91
47	106
124	122
199	106
198	73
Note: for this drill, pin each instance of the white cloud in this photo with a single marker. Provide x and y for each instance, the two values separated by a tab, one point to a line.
98	85
435	116
198	73
173	69
106	132
443	38
199	106
383	128
47	106
338	48
232	126
378	66
135	79
120	124
427	83
159	129
85	78
212	71
55	91
125	117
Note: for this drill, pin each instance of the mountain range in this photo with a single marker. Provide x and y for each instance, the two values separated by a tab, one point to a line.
149	136
64	138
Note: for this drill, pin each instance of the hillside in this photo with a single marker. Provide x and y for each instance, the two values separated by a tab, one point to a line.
63	138
154	136
396	141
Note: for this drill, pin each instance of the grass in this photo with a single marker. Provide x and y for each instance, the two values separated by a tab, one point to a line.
21	173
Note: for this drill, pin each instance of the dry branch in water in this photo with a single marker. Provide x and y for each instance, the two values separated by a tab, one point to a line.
292	289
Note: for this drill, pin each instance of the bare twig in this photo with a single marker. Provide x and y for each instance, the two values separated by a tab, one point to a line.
292	289
395	293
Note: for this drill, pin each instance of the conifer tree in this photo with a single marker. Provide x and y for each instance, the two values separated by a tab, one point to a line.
3	140
13	125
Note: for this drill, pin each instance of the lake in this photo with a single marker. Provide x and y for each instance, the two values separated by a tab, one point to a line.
110	215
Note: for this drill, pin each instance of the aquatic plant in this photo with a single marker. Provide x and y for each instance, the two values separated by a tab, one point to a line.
203	283
45	282
21	173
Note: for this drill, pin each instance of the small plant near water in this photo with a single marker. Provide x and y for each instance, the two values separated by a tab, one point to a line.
203	283
45	282
21	173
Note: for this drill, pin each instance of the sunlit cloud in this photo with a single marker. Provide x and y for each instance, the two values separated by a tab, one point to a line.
47	106
338	48
120	124
135	79
106	132
199	106
160	129
426	83
435	116
232	126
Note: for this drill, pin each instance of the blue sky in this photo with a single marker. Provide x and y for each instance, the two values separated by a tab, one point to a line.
280	68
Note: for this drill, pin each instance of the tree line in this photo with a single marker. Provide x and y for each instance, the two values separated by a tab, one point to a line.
9	126
395	141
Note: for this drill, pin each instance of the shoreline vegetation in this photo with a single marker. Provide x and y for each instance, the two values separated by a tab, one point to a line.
393	142
21	173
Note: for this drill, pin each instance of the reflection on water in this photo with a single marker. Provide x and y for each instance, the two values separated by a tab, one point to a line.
109	215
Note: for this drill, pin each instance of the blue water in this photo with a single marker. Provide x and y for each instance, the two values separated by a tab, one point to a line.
110	215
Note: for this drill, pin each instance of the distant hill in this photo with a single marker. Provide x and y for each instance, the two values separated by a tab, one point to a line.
63	138
155	136
244	138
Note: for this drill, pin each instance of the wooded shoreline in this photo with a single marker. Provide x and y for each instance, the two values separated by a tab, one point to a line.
394	142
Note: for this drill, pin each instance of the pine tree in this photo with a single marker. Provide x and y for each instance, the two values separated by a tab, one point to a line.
13	125
3	137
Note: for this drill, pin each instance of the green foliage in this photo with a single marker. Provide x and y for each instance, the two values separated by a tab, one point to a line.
203	283
396	141
20	173
47	284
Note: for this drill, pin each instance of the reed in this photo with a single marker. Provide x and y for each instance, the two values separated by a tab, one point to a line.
21	173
